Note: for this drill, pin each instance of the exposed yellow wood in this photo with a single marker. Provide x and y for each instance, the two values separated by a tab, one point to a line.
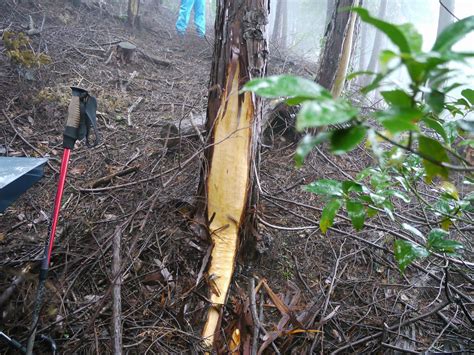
227	188
341	73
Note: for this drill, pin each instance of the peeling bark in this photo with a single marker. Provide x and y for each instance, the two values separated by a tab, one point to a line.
227	184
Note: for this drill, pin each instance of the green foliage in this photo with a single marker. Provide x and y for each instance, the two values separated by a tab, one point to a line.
18	49
407	252
415	124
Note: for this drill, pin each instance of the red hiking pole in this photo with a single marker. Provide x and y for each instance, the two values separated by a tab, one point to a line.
81	117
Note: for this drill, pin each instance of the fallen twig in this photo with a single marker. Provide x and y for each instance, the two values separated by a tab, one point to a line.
131	108
117	301
5	296
106	179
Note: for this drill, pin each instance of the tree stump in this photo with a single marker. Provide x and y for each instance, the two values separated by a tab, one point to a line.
125	52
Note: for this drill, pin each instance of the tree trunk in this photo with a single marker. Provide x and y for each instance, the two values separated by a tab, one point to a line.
336	55
445	18
233	119
364	32
284	25
329	11
374	55
277	24
133	9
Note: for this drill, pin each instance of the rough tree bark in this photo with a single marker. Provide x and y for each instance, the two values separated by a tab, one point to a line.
133	10
233	120
338	46
445	18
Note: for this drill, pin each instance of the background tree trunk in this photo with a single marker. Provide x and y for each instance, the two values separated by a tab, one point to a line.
133	10
331	5
445	18
278	24
339	31
374	55
284	25
233	120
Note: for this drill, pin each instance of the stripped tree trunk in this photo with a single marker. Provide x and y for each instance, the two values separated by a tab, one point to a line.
336	55
233	120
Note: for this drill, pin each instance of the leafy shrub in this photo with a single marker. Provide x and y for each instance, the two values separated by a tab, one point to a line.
18	49
420	139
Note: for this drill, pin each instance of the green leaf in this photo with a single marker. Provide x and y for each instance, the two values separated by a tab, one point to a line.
378	199
400	120
344	140
433	149
307	144
437	127
407	252
385	57
396	35
324	113
356	212
348	186
469	95
329	212
397	98
359	73
401	195
453	33
286	86
436	101
466	125
469	142
325	187
414	39
450	189
413	230
438	243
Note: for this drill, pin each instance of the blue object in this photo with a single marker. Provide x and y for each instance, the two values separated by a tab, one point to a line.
199	16
16	176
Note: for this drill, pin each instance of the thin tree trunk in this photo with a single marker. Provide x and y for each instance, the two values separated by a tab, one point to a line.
445	18
284	26
227	186
333	63
277	24
132	13
374	55
331	5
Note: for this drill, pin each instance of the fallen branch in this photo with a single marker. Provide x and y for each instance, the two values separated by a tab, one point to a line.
106	179
393	327
154	59
124	85
31	27
5	296
131	108
117	301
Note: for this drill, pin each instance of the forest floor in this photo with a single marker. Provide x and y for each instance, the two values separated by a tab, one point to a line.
344	287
